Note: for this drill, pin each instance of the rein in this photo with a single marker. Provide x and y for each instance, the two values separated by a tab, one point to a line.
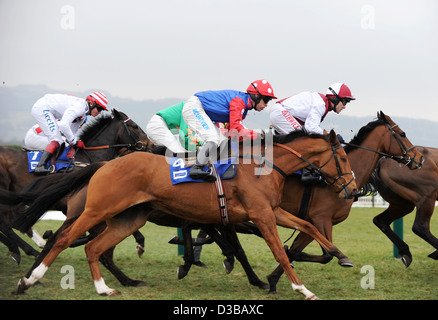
137	146
404	158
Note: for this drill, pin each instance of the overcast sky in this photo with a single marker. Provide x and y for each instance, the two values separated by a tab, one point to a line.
386	51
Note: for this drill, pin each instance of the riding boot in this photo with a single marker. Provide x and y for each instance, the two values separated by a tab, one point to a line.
202	159
41	169
310	177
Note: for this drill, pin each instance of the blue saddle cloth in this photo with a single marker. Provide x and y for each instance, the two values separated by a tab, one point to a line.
33	157
179	172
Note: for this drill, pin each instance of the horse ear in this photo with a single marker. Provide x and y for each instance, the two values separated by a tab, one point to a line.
115	113
333	136
382	116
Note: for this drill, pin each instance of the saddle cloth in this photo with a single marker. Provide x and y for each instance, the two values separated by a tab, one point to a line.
34	156
179	170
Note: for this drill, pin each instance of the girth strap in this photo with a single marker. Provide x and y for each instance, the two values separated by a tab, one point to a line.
222	200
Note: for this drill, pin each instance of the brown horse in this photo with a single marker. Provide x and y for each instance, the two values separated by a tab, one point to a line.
246	197
378	138
113	136
405	190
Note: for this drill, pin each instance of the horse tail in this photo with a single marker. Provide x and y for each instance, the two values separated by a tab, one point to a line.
51	193
9	198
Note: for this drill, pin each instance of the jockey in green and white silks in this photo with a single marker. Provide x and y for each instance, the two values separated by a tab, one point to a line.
163	126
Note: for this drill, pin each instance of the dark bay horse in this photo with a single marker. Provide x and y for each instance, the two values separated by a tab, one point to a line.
378	138
247	199
405	190
113	136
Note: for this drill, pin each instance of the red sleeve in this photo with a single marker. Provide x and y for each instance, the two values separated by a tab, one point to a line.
237	107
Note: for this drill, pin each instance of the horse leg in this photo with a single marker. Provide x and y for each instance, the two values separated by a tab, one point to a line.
421	225
383	222
285	219
14	251
6	229
139	238
295	254
108	262
35	236
265	221
229	232
64	240
117	229
189	256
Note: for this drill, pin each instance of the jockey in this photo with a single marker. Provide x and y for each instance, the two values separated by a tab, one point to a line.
226	106
71	112
159	130
35	139
307	110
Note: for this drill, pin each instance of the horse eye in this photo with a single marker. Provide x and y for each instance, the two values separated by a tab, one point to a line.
403	135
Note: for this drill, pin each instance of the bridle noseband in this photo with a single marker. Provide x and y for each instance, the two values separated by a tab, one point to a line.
341	186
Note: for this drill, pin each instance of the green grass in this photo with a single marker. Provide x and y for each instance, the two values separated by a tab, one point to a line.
357	237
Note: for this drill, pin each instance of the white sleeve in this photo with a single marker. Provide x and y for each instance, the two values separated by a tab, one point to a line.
313	120
66	125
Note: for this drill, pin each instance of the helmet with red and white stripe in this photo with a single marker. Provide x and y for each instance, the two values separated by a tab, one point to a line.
99	98
339	90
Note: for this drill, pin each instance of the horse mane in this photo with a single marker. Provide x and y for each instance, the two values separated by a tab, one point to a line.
285	138
93	128
362	134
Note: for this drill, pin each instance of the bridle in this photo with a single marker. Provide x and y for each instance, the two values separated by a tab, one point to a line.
137	145
404	159
340	182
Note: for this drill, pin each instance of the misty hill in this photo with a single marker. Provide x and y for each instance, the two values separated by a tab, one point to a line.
16	103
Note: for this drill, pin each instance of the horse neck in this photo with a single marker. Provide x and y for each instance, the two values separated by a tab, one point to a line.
109	135
314	150
363	162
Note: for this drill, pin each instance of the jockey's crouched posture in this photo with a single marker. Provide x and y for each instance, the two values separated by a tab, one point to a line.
61	115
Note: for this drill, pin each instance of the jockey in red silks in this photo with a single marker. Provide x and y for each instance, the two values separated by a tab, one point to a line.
307	110
226	106
61	115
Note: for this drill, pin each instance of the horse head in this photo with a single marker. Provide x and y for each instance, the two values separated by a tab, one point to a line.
408	153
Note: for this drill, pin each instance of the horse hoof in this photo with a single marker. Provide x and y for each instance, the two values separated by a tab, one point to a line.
21	286
181	272
345	262
228	266
16	257
406	260
200	264
140	250
314	297
273	292
260	284
112	293
434	255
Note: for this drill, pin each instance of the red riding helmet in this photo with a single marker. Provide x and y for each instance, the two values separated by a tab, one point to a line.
261	87
339	90
99	98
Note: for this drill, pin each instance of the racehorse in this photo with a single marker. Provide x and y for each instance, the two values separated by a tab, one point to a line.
405	190
246	196
378	138
105	139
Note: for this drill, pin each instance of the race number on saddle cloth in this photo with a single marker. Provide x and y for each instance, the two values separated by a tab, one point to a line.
179	171
62	161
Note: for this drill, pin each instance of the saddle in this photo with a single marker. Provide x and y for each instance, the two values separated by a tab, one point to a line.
59	160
